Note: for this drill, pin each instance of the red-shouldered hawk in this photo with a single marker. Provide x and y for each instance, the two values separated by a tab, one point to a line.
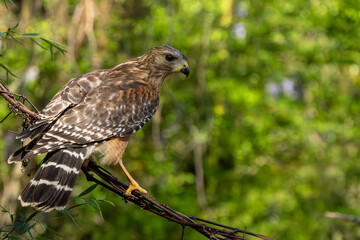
98	111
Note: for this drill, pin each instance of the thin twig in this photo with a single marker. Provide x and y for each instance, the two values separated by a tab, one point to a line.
144	201
345	217
5	117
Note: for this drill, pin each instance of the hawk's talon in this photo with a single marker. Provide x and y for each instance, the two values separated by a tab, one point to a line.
132	187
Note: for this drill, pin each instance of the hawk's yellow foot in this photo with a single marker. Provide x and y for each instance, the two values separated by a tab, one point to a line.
134	186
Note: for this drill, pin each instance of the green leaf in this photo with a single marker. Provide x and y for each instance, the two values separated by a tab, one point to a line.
107	201
54	232
71	217
39	45
88	190
15	39
54	44
30	34
13	28
7	69
3	209
77	205
32	216
99	209
11	1
78	200
52	52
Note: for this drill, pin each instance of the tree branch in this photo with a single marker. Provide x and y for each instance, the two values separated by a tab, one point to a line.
18	108
149	204
207	228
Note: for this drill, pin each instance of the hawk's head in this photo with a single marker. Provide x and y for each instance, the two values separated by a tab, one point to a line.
165	60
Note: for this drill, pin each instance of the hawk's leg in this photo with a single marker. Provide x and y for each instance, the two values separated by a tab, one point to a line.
112	152
133	184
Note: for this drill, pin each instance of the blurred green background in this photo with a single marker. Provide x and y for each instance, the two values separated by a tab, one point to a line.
264	133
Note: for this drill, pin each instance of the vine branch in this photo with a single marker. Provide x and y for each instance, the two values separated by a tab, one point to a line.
207	228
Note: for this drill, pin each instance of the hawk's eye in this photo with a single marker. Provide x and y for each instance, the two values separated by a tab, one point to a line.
170	58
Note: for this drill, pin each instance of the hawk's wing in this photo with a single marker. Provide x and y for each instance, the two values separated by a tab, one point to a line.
69	95
114	109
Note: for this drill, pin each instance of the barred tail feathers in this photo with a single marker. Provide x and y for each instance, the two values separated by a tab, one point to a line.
53	182
24	152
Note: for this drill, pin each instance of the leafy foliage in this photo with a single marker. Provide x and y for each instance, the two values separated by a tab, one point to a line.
29	227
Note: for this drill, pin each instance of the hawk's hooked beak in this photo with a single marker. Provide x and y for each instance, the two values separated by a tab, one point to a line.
185	70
